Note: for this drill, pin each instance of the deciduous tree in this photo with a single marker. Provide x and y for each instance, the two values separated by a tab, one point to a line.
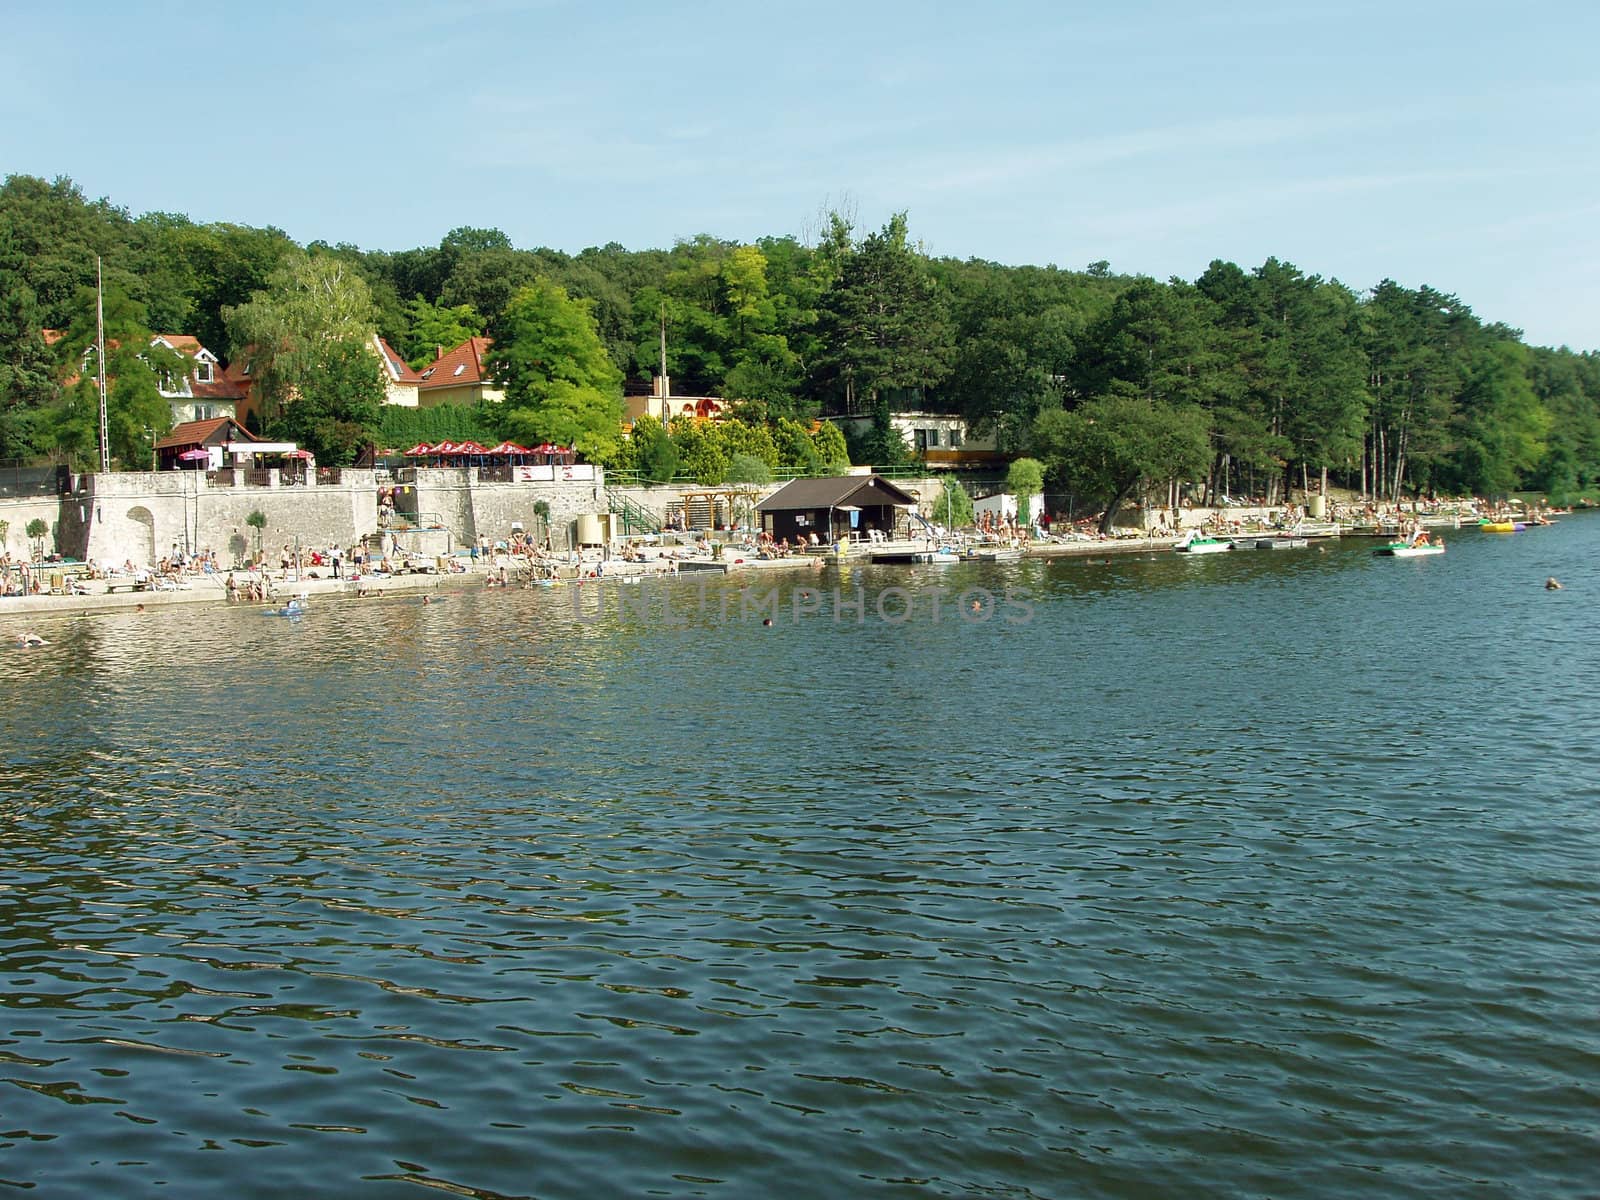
560	384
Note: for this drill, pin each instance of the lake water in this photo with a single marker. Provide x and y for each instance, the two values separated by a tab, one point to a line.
1252	875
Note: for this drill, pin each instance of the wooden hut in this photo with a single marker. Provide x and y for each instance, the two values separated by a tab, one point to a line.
835	508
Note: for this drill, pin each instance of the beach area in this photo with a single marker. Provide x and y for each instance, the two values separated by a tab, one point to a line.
118	594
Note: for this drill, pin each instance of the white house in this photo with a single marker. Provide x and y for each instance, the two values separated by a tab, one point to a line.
204	393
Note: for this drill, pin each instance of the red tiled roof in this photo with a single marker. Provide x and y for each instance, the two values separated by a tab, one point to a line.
183	343
399	370
220	388
200	433
468	357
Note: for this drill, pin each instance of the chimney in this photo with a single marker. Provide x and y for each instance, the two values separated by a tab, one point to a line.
438	353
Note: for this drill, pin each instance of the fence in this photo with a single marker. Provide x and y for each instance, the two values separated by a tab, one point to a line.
17	480
787	475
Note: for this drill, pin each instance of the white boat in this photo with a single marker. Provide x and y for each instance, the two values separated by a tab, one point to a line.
991	554
939	554
1193	543
1408	550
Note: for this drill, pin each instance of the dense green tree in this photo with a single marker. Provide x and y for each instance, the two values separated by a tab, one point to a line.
336	408
285	328
1568	386
1114	447
1311	376
59	234
560	384
193	273
655	454
607	277
885	326
952	507
1024	480
1245	437
1500	424
831	448
1417	346
487	280
797	448
1396	391
431	328
1018	333
27	386
702	453
136	412
748	468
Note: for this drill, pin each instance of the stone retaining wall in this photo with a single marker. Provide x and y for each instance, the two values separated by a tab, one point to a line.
145	516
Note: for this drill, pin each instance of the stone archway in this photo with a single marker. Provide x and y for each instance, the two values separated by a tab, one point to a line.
145	539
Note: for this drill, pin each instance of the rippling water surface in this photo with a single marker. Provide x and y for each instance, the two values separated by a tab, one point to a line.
1258	874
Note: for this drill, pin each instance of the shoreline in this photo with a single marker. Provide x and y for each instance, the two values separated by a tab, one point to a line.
209	589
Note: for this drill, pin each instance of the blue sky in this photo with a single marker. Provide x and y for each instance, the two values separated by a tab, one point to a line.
1449	144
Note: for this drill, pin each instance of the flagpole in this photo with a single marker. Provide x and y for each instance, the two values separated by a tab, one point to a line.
100	356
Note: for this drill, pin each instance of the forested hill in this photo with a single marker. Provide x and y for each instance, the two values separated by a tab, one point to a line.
1265	369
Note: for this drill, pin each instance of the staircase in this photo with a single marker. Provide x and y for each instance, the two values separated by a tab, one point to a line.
634	517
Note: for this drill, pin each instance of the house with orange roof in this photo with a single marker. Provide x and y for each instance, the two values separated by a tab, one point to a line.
206	392
401	384
239	372
459	376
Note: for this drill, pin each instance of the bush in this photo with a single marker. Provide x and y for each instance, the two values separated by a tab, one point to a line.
953	507
658	460
747	468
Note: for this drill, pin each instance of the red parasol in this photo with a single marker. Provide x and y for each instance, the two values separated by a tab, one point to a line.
420	450
509	448
470	447
194	455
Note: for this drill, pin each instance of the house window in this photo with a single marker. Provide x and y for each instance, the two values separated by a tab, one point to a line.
460	369
920	438
202	372
955	439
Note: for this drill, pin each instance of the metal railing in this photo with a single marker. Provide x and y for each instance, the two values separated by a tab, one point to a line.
781	475
17	480
635	517
402	521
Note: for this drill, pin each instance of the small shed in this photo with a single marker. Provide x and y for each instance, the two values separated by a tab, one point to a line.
835	507
212	437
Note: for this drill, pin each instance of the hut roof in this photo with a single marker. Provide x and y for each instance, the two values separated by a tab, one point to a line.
836	491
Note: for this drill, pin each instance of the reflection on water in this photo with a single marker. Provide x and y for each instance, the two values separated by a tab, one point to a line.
1265	874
